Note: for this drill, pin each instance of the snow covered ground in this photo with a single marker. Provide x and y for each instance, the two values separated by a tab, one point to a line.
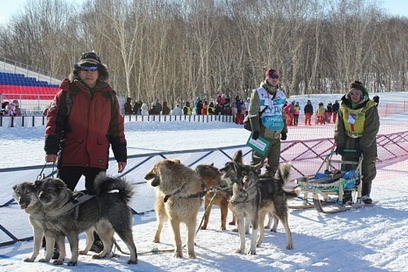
367	239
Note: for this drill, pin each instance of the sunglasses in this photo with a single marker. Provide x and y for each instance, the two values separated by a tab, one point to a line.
274	77
89	68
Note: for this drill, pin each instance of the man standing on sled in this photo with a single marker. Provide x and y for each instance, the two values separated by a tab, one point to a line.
268	101
356	129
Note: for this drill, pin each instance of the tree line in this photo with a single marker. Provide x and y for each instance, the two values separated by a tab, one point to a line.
175	50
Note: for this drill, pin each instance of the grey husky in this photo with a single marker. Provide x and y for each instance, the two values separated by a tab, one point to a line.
254	197
25	194
106	212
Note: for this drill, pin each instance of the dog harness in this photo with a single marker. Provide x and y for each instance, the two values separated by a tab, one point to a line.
72	203
200	194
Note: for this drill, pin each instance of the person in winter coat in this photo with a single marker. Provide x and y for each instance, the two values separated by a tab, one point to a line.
296	112
271	125
128	106
86	130
177	110
157	107
356	129
137	107
204	108
187	110
145	109
320	114
288	111
211	109
329	112
166	109
308	111
335	109
198	104
83	122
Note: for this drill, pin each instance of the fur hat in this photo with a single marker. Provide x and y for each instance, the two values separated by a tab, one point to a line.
271	72
90	59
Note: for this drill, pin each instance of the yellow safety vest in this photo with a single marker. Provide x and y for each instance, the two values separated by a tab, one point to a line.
354	119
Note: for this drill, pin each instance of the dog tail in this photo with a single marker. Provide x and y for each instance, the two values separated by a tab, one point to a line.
283	172
108	184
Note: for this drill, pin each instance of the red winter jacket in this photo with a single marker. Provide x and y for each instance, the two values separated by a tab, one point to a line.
83	129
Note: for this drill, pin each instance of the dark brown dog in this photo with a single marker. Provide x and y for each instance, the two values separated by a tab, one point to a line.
218	193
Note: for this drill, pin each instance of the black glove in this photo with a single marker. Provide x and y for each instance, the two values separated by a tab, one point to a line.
284	136
255	135
339	150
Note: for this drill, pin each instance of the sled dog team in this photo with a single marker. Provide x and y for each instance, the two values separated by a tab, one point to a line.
55	212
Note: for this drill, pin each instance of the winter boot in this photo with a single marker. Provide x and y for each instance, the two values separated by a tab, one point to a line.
97	246
347	197
365	192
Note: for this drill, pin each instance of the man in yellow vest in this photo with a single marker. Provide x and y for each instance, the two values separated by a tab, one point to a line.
356	129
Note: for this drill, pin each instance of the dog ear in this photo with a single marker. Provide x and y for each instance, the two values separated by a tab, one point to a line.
38	182
172	162
238	157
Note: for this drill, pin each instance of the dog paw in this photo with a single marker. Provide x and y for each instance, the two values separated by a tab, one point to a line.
132	262
156	240
289	247
178	254
238	250
97	256
223	228
203	227
58	262
29	260
192	256
43	260
231	223
252	252
71	263
83	252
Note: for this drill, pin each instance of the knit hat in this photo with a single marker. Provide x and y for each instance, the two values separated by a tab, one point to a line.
271	72
90	58
356	85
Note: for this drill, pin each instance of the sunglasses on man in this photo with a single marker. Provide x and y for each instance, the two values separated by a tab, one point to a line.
89	68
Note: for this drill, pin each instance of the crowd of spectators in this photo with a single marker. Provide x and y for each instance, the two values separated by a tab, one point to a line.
221	105
237	107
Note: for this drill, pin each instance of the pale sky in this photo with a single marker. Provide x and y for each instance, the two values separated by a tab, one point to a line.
12	7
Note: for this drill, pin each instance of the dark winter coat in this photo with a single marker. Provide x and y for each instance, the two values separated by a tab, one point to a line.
308	109
93	124
367	141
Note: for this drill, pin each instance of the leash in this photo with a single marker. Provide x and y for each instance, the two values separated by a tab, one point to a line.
206	210
41	175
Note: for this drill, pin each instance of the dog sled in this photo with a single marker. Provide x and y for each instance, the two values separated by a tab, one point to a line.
332	189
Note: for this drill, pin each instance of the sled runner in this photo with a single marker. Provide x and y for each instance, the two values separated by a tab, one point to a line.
333	189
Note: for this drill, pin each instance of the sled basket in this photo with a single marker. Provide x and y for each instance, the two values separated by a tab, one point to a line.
331	181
